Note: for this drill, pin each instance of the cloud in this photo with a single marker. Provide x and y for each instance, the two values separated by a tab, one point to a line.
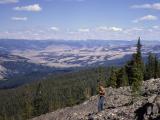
83	30
141	6
146	18
8	1
104	28
34	8
147	33
155	6
116	29
19	18
54	28
156	27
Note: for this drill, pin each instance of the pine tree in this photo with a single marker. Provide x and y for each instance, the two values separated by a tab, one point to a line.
150	65
135	69
138	56
129	69
156	67
87	92
113	79
101	74
138	53
28	108
122	78
38	101
136	79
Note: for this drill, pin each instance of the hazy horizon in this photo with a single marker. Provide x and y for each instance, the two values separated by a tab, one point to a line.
135	40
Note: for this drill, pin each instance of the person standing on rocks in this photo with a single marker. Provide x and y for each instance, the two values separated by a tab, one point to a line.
101	97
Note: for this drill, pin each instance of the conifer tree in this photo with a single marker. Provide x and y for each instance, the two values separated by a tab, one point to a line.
38	101
101	76
156	67
122	78
138	53
135	69
136	79
150	67
129	68
138	56
28	108
113	79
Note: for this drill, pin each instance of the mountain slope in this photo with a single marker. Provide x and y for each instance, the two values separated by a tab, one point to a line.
120	105
16	70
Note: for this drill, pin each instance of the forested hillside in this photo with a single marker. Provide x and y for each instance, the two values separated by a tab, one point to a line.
50	94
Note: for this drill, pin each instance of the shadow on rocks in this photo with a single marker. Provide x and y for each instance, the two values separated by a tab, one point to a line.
157	118
140	112
90	116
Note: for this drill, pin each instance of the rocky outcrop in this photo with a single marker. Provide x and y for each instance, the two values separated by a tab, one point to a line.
119	105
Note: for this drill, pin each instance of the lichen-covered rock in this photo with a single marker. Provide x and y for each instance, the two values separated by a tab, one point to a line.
120	105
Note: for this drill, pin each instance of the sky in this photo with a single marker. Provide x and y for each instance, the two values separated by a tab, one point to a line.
80	19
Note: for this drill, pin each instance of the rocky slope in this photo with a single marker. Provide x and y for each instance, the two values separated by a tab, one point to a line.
120	105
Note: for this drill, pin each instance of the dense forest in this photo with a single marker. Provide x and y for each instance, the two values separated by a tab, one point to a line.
68	89
55	92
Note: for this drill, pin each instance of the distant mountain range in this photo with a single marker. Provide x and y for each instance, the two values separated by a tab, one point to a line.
36	59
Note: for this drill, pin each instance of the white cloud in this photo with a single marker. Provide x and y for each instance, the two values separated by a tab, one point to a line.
155	6
8	1
34	8
102	28
116	29
156	27
83	30
54	29
133	30
137	29
141	6
41	33
146	18
19	18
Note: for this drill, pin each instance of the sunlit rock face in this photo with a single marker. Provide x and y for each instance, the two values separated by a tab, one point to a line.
119	105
